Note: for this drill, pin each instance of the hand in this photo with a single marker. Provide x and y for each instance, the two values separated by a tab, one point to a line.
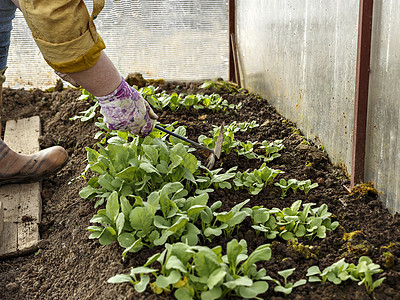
125	109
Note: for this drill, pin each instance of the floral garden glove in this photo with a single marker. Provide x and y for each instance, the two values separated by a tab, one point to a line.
125	109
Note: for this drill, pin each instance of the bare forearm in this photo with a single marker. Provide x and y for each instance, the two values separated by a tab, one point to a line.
101	79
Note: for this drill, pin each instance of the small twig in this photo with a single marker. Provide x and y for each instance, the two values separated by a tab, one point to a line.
347	189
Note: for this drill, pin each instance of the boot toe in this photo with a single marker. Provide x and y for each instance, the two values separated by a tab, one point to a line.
51	160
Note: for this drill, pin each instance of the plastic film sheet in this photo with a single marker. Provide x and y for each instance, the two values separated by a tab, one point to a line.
169	39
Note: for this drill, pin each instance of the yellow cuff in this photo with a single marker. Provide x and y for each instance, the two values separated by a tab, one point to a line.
82	63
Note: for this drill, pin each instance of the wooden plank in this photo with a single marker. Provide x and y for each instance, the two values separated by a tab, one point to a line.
22	202
29	217
9	240
22	136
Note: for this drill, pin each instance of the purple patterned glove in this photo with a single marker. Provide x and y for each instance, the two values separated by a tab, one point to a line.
125	109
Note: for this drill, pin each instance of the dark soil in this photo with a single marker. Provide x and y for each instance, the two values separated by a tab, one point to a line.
68	265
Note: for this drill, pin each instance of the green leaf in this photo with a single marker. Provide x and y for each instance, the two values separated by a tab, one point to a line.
125	207
286	273
105	181
154	235
233	250
215	278
195	209
378	282
321	232
136	246
119	223
237	218
101	219
127	174
314	270
212	294
206	262
148	168
181	222
175	263
151	152
190	239
163	239
142	270
183	293
190	162
282	289
224	216
261	253
214	231
299	283
165	281
176	161
241	281
126	239
107	236
314	279
257	288
87	191
112	206
141	219
141	286
120	278
287	236
260	216
301	231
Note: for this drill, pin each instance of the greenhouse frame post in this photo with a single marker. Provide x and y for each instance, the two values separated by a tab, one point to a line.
361	91
233	59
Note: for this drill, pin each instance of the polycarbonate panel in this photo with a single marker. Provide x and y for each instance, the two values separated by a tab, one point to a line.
383	139
169	39
301	56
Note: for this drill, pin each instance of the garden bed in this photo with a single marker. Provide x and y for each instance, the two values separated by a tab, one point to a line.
70	265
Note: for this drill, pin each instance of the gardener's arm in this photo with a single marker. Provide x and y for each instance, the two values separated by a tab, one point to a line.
67	38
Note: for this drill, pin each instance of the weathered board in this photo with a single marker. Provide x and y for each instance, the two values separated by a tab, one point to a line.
22	203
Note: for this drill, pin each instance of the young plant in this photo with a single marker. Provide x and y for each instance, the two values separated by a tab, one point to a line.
138	167
256	180
228	139
213	178
232	219
165	216
364	272
90	113
272	149
285	287
341	271
247	149
335	273
291	223
306	186
202	273
286	185
264	221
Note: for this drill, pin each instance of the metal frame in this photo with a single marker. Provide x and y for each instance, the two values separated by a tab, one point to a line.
361	96
234	75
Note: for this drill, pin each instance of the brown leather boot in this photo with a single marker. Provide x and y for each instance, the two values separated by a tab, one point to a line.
18	168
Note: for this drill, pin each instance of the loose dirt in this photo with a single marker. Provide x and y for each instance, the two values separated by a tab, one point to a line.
68	265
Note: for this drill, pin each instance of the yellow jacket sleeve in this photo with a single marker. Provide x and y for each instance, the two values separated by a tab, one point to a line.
65	32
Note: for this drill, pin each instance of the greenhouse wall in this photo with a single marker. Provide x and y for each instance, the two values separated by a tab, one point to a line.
169	39
302	55
383	138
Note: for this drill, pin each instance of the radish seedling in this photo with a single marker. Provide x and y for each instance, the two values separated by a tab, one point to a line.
286	287
200	272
